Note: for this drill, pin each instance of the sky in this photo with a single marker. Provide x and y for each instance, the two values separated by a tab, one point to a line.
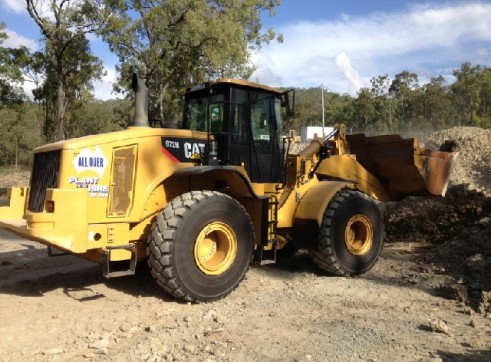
340	44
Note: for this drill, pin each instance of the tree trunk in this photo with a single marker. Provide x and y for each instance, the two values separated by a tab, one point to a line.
163	89
60	112
16	153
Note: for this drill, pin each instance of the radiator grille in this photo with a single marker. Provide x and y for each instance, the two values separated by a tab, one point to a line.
44	175
121	192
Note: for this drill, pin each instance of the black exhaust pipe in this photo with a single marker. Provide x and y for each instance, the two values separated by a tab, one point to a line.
141	101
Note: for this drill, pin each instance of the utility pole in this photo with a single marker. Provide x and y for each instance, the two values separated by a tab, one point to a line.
323	117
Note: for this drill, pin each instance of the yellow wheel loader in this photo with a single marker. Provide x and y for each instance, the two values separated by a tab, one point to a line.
201	202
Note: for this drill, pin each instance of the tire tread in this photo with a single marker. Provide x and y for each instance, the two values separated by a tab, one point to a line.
325	257
162	238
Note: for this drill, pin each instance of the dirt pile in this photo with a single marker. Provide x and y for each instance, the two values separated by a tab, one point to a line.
457	230
473	167
457	227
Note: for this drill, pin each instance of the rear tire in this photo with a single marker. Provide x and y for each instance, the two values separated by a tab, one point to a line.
201	246
351	235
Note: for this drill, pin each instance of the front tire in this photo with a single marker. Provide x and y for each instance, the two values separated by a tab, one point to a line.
201	246
351	235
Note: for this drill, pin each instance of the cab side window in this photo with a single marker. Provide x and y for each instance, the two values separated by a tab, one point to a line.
215	115
263	125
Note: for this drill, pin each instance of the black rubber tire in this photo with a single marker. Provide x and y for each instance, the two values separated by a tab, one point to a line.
333	254
172	245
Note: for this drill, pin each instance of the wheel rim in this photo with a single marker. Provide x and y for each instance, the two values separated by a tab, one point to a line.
358	235
215	248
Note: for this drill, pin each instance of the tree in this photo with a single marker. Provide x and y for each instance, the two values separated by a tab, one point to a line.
436	105
10	74
471	93
20	134
64	28
485	107
403	88
383	103
18	127
364	110
174	43
380	85
466	90
93	117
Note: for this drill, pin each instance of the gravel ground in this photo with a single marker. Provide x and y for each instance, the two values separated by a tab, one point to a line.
427	299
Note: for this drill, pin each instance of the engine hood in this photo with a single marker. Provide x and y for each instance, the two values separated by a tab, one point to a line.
131	133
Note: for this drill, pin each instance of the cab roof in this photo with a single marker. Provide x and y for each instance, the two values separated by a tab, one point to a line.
238	82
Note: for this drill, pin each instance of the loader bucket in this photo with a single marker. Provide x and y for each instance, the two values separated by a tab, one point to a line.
402	166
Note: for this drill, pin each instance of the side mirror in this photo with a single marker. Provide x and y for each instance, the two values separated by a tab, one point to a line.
288	101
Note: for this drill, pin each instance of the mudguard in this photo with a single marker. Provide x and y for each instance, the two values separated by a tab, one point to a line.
310	211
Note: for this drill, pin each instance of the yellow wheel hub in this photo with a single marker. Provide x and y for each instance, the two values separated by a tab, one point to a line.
358	235
215	248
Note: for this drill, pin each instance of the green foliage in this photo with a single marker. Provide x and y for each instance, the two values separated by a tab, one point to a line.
402	104
472	94
66	64
177	43
94	117
10	76
17	119
20	134
8	69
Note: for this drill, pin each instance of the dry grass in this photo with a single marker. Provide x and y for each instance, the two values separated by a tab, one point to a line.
10	176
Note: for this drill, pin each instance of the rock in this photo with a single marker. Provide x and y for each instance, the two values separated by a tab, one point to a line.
439	326
99	344
212	315
53	351
454	292
212	331
102	351
305	358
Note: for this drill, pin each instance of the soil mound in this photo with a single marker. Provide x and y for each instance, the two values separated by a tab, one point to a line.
458	225
473	167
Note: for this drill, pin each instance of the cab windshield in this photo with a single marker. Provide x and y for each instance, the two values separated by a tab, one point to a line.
202	111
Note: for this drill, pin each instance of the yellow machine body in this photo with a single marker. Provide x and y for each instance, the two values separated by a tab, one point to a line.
98	196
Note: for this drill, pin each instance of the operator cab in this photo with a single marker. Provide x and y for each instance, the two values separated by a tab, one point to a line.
243	125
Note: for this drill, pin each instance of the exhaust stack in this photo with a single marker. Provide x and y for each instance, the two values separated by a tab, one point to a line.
141	101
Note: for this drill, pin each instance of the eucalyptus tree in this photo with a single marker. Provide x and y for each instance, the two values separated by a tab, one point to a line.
485	108
404	88
64	25
10	74
174	43
383	102
364	112
436	104
471	91
12	108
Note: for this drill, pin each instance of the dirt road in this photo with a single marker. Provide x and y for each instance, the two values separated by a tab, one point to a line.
427	299
62	309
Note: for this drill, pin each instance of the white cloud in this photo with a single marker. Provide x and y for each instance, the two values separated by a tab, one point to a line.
15	40
17	6
265	69
28	87
344	54
103	88
353	77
